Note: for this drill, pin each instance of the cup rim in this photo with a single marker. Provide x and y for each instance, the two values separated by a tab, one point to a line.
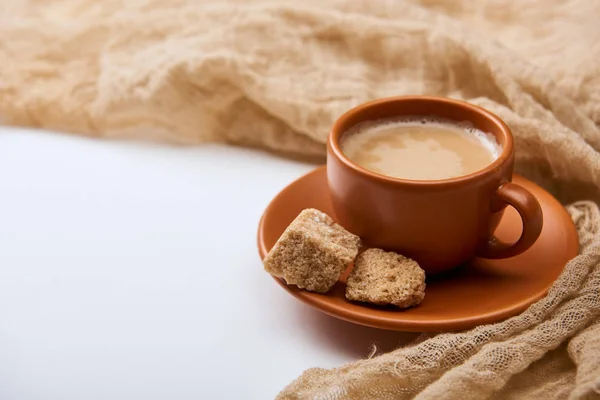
336	134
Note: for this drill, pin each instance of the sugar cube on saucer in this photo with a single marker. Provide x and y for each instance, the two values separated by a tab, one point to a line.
382	277
313	252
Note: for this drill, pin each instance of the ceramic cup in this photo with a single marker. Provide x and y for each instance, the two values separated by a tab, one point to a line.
439	223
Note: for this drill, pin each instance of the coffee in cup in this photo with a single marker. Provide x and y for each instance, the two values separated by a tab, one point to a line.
420	147
427	190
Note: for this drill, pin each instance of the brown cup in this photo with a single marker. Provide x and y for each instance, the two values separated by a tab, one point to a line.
439	223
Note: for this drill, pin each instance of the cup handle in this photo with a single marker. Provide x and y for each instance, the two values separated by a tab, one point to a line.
531	215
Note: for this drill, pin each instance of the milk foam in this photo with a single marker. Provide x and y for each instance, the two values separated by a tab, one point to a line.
417	147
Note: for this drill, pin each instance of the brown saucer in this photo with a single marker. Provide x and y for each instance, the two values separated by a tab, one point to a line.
482	292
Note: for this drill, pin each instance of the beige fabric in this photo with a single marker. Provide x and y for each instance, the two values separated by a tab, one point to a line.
276	74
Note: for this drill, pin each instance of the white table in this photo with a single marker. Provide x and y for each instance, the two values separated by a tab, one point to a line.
130	271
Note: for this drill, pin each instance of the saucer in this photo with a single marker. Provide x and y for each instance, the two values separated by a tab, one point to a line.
481	292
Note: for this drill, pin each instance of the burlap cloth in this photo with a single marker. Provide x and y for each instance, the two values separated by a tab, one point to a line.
276	74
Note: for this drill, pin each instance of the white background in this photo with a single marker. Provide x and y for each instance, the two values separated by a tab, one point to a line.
130	271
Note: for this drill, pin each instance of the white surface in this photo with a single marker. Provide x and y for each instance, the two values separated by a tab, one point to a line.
130	271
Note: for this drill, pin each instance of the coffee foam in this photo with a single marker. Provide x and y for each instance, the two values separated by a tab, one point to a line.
420	147
488	140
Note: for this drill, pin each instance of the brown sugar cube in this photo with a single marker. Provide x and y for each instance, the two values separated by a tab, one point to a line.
313	252
381	277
